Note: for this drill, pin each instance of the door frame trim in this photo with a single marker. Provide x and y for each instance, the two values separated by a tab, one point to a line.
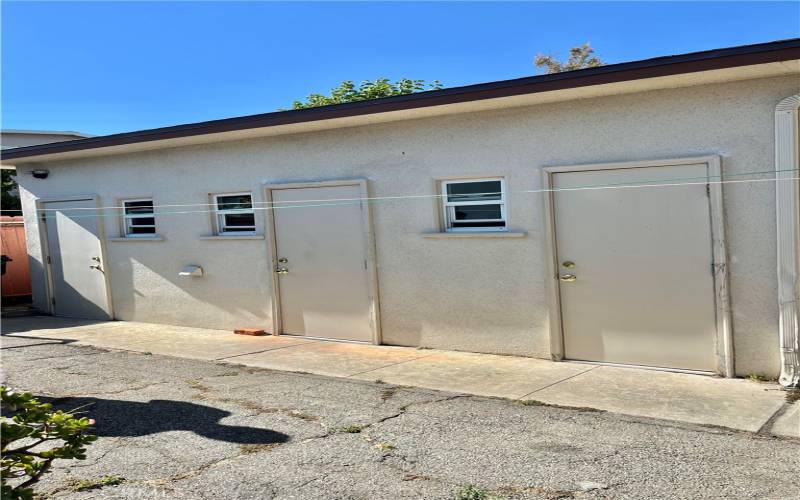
724	330
372	270
45	248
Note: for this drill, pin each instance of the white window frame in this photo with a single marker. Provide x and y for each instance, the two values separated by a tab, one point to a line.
219	215
126	217
448	207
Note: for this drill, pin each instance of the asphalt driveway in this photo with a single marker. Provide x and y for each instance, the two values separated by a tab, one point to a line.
706	400
184	428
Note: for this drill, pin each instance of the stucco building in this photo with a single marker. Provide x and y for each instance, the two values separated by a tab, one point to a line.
642	213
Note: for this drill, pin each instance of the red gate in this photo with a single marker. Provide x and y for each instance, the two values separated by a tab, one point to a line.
16	281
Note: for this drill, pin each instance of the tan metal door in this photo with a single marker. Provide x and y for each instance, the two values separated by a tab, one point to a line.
322	263
78	284
641	260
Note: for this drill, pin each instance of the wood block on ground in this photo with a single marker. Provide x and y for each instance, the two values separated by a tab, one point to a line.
249	331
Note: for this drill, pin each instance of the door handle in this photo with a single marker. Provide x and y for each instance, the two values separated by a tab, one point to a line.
569	278
282	270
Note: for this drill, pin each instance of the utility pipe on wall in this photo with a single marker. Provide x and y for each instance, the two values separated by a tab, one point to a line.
787	201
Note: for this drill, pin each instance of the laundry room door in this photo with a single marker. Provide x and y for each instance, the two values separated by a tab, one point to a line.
635	268
74	256
322	262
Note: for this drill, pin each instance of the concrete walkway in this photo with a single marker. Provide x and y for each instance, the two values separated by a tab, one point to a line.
732	403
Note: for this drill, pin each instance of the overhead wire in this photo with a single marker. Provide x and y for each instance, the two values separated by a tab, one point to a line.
704	177
316	203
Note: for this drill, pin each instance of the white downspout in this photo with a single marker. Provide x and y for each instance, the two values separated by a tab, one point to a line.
787	201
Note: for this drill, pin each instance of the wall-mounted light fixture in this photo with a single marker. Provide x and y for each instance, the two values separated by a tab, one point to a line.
40	174
191	270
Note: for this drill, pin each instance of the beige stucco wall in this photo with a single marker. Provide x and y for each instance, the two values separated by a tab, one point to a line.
484	295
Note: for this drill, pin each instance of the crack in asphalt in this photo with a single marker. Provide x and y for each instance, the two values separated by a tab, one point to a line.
403	409
766	427
64	399
72	355
118	443
207	394
385	458
394	460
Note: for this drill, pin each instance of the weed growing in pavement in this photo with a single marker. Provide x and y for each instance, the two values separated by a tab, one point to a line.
350	429
94	484
470	492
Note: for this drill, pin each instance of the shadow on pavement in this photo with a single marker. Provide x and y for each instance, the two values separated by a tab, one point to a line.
55	342
46	341
115	418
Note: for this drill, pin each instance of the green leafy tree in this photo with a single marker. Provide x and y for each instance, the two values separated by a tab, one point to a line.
347	91
9	204
33	435
579	58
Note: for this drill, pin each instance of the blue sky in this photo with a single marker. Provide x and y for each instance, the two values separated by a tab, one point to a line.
113	67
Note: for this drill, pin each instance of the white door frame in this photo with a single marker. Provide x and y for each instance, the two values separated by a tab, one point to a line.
45	247
724	334
372	272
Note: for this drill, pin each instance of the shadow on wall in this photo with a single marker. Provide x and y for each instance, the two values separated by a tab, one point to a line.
78	281
73	303
117	418
76	294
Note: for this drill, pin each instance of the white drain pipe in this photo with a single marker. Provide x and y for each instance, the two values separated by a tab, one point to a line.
787	201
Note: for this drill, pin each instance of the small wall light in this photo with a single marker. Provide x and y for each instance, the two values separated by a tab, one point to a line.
40	174
191	270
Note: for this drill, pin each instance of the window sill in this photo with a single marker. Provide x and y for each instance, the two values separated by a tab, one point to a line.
224	237
474	234
136	240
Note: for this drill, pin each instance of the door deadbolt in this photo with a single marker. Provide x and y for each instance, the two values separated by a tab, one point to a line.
283	260
568	264
569	278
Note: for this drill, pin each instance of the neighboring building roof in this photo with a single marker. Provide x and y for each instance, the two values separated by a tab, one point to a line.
44	132
719	59
14	138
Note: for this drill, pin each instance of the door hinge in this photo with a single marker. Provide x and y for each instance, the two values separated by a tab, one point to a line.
365	263
53	301
708	190
48	260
